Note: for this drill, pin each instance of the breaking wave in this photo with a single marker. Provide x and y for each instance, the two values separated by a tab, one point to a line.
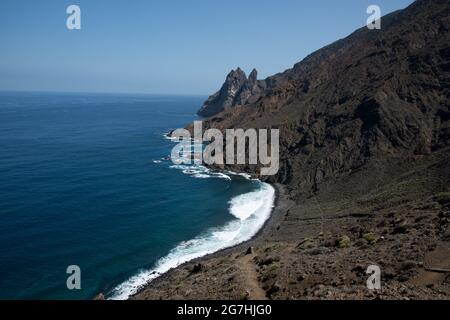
250	211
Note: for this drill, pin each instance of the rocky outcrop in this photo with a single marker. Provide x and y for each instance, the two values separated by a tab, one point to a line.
365	147
237	90
373	96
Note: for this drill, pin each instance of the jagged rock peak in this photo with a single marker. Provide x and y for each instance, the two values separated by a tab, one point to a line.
253	75
238	73
236	90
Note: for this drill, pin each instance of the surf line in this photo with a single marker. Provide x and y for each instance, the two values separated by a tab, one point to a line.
236	139
260	202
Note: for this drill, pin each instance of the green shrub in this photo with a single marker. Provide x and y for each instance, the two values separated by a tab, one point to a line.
244	296
344	242
370	237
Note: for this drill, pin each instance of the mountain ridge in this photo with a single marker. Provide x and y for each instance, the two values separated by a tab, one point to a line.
374	95
364	176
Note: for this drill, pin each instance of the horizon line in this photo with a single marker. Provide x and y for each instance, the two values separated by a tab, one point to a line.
104	92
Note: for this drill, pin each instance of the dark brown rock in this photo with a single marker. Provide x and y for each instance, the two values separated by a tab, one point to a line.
237	90
361	101
364	141
197	268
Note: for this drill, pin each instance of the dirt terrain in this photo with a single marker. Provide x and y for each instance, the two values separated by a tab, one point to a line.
364	171
320	246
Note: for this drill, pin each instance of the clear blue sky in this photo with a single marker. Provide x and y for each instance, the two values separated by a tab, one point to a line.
165	46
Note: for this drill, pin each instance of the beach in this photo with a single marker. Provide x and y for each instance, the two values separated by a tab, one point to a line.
320	245
281	206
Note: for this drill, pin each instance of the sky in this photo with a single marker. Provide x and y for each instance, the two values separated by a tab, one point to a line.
165	46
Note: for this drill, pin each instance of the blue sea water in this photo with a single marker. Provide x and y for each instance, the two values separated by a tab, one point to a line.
84	181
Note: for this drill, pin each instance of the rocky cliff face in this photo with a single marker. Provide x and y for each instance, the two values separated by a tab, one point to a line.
373	97
364	129
237	90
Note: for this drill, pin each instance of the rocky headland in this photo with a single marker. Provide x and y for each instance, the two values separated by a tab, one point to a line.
364	170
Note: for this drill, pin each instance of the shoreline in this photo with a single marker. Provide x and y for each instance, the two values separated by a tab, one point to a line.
280	207
300	253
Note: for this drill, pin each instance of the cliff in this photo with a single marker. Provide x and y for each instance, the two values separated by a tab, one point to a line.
364	179
373	96
236	90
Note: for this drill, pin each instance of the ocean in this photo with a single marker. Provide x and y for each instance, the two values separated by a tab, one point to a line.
85	180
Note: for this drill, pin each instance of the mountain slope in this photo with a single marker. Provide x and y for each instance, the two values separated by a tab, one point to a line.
365	175
373	96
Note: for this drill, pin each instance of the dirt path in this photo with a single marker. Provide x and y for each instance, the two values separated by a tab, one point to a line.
249	278
439	259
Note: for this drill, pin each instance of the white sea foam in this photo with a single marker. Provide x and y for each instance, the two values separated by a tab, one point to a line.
247	204
199	171
168	137
202	176
242	174
221	175
251	210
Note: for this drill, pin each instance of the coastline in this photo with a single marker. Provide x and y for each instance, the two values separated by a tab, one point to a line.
300	253
280	207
